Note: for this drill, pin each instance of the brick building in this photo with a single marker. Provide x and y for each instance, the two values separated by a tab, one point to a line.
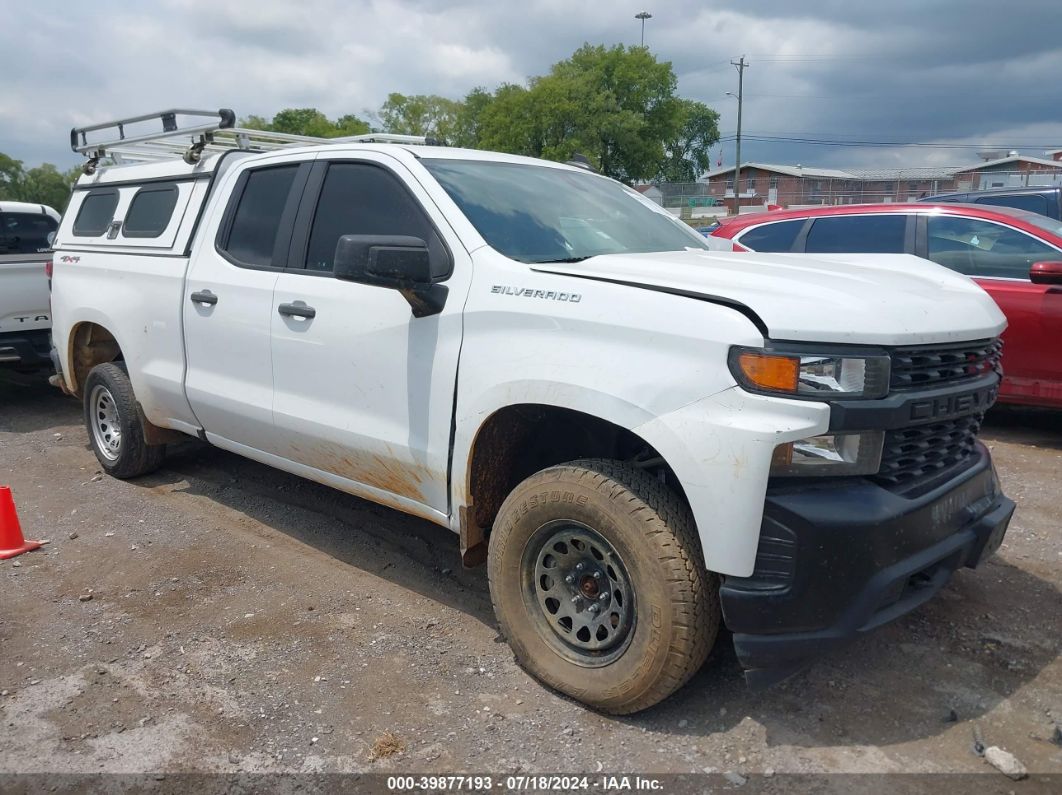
788	186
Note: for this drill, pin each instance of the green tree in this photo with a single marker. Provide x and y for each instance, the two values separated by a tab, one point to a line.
11	174
618	106
43	184
688	154
419	114
308	121
46	184
466	131
508	123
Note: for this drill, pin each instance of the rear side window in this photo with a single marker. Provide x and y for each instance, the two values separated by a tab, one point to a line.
775	237
361	199
857	234
25	233
255	224
1033	202
150	211
96	213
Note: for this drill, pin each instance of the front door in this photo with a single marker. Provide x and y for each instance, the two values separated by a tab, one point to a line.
999	258
362	389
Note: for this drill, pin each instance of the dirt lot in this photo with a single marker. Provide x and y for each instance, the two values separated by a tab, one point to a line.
242	619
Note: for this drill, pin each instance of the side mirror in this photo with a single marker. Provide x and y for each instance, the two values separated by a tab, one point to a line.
383	260
398	262
1046	273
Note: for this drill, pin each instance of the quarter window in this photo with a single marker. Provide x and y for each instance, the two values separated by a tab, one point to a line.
25	233
256	222
982	248
363	199
95	213
150	211
857	234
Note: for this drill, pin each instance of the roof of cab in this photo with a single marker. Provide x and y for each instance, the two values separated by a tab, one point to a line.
177	168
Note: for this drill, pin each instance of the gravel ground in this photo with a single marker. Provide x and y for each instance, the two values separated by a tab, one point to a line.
222	616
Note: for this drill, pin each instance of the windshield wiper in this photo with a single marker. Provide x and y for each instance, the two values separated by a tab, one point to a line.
559	261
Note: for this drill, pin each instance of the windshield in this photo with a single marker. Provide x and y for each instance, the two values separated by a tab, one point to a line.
542	214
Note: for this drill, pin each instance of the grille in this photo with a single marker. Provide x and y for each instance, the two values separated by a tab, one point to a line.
914	454
932	365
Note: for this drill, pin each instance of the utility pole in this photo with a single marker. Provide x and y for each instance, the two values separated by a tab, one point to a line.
741	66
643	15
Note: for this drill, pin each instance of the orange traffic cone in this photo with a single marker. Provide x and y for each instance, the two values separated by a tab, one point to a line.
11	541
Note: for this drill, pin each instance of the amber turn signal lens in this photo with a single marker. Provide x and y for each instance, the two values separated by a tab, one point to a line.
779	373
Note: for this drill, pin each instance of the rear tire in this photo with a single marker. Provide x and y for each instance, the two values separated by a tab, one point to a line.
602	534
115	424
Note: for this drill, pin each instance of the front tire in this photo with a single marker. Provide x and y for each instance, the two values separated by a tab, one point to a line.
115	424
598	583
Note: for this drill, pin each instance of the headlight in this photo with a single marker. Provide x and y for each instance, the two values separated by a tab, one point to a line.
820	376
832	454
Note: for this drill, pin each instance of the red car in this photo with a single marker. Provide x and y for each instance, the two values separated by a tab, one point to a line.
1016	256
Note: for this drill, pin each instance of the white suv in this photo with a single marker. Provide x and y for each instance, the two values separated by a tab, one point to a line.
25	318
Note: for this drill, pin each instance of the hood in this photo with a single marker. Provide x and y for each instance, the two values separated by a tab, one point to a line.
868	299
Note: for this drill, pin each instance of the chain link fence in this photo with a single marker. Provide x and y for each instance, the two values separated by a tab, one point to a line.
697	202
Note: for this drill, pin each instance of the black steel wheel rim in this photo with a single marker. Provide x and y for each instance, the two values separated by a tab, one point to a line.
578	593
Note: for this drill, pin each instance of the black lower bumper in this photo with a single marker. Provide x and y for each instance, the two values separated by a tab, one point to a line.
25	348
840	559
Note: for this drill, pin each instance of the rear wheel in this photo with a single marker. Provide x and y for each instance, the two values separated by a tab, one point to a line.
115	424
599	584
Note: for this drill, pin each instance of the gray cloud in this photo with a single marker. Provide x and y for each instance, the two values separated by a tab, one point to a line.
954	71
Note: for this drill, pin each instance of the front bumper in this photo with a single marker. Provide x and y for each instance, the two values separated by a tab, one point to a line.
25	348
839	559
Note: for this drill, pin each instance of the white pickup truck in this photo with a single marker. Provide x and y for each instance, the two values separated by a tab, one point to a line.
644	439
25	240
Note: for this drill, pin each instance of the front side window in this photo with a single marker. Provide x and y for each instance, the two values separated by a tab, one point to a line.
537	213
363	199
982	248
256	222
150	211
857	234
96	212
25	233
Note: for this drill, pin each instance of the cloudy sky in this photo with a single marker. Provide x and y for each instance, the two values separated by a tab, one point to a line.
967	73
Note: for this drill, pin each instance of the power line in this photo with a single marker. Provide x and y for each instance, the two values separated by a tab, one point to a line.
798	57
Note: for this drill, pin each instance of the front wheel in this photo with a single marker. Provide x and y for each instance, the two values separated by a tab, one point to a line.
115	424
598	583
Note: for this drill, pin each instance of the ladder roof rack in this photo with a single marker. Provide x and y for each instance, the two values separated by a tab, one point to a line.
201	132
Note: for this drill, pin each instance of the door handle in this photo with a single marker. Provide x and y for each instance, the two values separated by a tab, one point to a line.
297	310
204	297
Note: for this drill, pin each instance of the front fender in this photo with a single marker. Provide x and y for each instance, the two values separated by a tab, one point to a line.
720	449
652	363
